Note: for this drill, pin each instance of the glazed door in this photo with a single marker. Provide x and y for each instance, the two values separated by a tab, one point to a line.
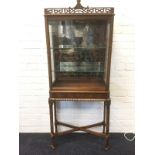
79	49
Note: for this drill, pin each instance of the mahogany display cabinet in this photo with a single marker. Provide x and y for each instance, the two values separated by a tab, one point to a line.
79	46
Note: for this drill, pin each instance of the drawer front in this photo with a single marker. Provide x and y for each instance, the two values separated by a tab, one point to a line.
80	95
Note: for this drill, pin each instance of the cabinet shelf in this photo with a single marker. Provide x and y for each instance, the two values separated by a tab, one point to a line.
78	72
67	48
84	85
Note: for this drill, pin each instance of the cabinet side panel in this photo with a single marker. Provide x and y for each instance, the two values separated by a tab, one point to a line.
48	51
107	64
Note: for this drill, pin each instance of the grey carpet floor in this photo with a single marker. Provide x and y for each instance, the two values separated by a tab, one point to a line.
74	144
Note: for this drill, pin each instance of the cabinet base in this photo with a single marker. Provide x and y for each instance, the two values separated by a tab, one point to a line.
54	123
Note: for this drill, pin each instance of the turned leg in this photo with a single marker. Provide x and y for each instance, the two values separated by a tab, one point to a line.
107	118
55	117
104	118
51	103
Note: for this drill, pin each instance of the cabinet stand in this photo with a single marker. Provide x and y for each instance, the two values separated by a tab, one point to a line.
54	122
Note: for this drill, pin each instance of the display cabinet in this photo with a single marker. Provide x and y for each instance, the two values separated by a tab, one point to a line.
79	45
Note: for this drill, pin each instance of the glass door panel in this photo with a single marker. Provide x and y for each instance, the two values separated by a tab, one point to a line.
78	49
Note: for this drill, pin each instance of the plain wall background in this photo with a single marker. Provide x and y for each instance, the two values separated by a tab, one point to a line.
33	74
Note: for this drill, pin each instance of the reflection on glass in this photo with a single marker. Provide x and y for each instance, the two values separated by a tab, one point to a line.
78	48
74	33
80	67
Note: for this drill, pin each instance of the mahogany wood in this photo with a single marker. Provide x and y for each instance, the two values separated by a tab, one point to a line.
55	117
80	89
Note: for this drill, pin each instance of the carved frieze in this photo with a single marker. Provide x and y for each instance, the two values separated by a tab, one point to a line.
80	11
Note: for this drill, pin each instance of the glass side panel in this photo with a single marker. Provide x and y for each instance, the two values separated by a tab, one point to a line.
78	48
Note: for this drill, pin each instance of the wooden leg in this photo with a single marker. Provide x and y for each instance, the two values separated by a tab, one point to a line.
107	118
107	145
104	118
55	117
51	103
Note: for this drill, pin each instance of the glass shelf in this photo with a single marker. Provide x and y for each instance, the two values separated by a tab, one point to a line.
78	75
78	72
70	47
